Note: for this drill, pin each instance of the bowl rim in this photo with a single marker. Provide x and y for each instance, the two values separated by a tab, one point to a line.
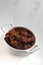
21	49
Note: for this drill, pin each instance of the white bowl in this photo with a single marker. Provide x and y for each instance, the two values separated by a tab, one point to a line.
6	28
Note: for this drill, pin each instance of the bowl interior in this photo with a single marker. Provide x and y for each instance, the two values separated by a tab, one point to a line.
24	38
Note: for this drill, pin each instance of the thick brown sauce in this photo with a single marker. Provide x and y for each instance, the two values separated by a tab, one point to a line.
20	38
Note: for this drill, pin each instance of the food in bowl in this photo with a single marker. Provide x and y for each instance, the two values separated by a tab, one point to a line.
20	38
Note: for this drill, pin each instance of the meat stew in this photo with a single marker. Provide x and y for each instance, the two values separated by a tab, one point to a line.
20	38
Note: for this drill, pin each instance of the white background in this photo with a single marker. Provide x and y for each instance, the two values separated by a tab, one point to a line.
28	13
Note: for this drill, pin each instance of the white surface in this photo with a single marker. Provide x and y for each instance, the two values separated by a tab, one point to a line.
28	13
